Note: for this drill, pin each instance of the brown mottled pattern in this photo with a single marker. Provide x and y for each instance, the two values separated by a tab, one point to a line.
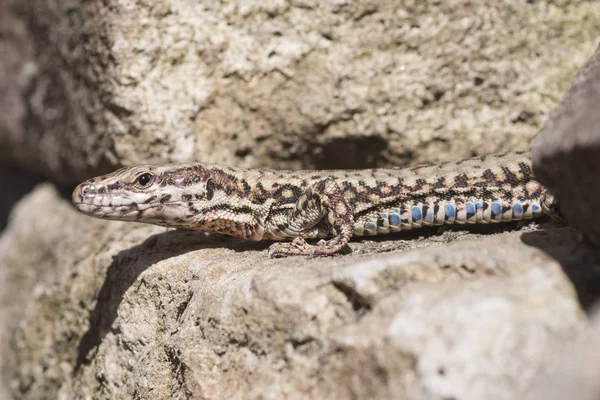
296	205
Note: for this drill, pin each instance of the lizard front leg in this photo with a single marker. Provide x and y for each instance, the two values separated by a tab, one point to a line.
320	205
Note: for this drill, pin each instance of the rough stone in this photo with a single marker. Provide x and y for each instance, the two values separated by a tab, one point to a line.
287	84
103	309
566	152
16	69
577	375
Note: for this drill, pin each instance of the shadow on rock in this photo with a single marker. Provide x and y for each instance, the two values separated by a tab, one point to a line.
126	268
14	184
578	260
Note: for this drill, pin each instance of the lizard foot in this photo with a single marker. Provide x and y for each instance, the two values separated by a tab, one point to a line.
296	247
299	247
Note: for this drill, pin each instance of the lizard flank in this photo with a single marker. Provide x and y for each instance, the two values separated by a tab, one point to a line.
256	204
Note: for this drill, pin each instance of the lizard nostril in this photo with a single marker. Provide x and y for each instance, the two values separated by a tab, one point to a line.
83	190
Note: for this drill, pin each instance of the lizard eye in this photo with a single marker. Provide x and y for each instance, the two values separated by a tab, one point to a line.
144	179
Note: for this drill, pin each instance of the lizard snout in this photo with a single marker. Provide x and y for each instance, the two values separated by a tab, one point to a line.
81	192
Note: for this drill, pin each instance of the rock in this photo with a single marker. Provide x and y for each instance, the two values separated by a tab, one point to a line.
14	184
566	152
96	309
284	84
102	309
577	375
16	69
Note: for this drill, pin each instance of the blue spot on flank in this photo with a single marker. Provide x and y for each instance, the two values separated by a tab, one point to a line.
517	210
496	208
397	210
535	208
384	215
470	208
416	213
449	210
370	226
478	205
429	215
395	219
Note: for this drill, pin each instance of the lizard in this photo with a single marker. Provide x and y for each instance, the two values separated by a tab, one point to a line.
289	207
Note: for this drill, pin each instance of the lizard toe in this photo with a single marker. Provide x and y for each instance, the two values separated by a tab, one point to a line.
296	247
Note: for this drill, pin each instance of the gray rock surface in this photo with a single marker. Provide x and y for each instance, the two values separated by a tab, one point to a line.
112	310
16	69
287	84
566	153
577	375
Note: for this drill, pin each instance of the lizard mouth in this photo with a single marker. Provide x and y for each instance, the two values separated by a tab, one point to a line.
91	200
88	200
89	194
128	212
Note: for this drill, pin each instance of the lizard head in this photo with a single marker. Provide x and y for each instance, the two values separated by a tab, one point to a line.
166	195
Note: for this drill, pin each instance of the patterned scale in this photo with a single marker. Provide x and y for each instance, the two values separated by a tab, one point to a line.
471	211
